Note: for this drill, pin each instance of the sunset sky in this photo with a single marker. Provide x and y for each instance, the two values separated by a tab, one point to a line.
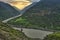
4	0
20	4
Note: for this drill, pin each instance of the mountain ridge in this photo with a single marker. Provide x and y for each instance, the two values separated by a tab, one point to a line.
7	11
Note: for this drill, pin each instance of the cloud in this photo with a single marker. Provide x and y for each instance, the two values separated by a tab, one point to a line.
4	0
20	0
35	0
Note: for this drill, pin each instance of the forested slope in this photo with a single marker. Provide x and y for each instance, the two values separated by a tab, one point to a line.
8	33
54	36
45	14
7	11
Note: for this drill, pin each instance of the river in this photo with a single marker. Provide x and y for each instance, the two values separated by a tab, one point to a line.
21	13
33	33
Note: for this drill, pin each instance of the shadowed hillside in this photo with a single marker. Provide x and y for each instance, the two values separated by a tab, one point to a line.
7	11
44	15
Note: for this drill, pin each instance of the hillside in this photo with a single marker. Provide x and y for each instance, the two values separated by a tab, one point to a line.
7	11
54	36
8	33
44	15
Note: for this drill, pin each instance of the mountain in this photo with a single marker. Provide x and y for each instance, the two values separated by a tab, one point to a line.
7	11
8	33
44	15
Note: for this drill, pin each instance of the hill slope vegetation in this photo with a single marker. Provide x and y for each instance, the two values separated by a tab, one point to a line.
45	14
7	11
54	36
8	33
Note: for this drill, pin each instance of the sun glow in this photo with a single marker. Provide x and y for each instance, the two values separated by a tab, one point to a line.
20	4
